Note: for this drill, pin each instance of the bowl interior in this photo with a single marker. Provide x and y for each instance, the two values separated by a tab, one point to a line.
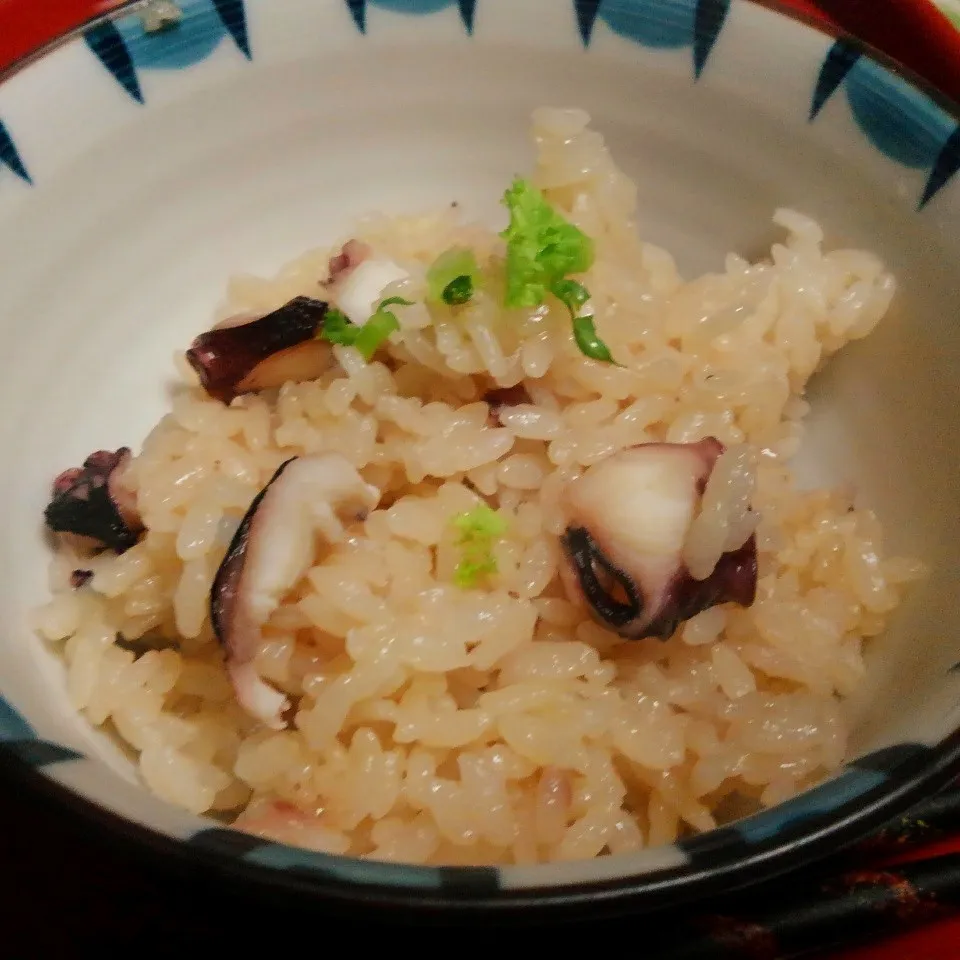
138	213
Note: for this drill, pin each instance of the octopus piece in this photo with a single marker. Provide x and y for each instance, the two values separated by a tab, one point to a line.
358	279
351	255
80	578
627	523
501	397
91	508
244	356
271	550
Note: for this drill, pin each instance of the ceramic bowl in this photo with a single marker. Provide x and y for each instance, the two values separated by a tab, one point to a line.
139	170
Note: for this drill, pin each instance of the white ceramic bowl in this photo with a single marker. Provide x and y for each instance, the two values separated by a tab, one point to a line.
138	172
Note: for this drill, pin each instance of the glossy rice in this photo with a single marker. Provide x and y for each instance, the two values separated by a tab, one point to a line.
501	725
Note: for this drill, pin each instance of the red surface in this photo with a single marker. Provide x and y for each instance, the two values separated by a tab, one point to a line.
28	24
935	941
914	32
85	899
939	941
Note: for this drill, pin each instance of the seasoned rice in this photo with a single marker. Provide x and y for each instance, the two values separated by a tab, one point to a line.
501	724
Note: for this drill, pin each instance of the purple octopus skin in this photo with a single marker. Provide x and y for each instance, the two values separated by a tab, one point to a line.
233	627
89	504
271	549
639	596
351	255
502	397
734	580
225	589
79	578
252	355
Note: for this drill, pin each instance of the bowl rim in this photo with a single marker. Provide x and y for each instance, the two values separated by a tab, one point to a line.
467	891
467	897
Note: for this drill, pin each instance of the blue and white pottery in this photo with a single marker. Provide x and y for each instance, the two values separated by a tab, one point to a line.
138	170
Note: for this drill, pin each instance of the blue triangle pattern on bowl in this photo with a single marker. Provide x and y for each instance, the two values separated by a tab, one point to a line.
840	60
234	17
20	739
106	41
899	120
10	157
125	46
946	165
665	24
358	9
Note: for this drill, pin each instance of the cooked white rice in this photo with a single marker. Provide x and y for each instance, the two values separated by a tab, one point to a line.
502	725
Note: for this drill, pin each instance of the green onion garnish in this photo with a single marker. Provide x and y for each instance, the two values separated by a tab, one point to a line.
366	337
458	291
454	277
574	295
479	529
542	247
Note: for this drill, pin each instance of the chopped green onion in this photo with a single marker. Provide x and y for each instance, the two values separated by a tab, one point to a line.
573	295
458	291
469	572
589	343
542	247
479	529
453	277
482	521
366	337
374	332
337	328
